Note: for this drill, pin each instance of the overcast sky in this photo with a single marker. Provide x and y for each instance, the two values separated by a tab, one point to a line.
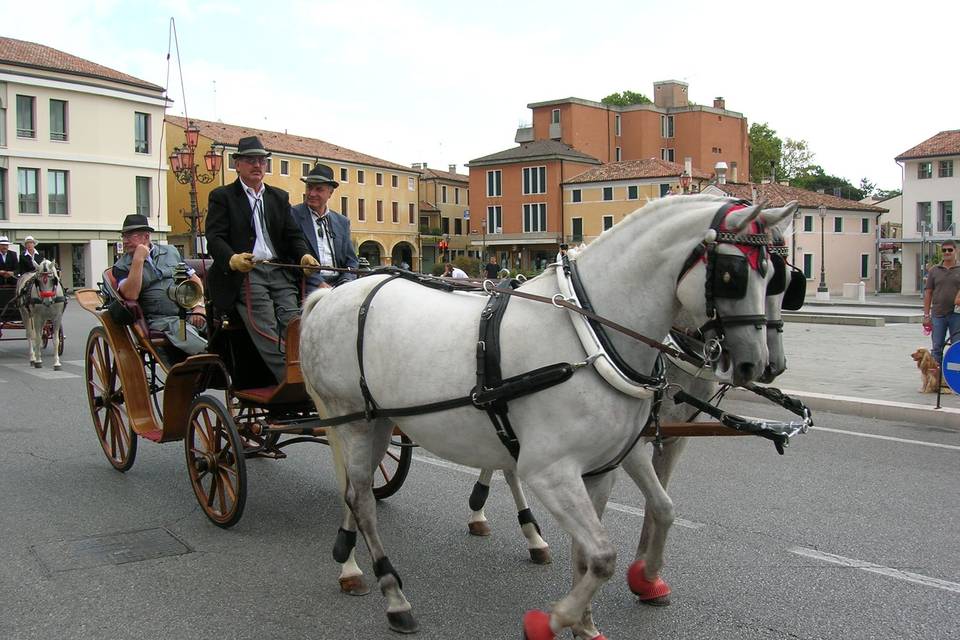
444	82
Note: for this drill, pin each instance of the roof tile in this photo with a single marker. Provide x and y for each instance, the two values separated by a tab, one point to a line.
778	195
945	143
536	149
633	170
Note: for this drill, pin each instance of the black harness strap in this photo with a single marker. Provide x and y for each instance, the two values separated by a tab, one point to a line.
488	371
369	404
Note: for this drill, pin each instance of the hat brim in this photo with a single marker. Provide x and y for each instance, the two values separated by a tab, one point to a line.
136	227
319	180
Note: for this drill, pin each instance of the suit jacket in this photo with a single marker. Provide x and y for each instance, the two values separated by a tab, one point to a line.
11	263
27	264
230	230
344	256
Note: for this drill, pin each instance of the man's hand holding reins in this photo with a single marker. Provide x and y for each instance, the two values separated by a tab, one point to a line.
242	262
309	263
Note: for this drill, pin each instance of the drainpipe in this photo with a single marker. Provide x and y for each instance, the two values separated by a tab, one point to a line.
876	287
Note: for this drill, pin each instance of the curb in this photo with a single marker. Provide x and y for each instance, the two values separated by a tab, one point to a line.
837	319
878	409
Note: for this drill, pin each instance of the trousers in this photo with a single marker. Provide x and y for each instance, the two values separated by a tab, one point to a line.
268	303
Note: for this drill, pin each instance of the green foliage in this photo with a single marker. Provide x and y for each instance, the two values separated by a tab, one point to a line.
765	148
437	269
470	265
626	98
818	179
796	159
886	194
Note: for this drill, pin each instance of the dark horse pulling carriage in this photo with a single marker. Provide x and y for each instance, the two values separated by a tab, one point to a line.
140	386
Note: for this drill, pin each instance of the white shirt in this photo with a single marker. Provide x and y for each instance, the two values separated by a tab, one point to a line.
255	198
459	273
325	253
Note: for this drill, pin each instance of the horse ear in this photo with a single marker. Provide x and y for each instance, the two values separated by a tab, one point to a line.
774	217
738	220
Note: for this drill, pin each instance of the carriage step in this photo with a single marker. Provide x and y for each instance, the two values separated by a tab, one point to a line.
154	435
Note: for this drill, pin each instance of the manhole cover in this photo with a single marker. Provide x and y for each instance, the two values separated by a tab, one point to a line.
111	548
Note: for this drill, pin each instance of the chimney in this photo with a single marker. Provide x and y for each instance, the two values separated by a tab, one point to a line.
415	165
670	93
423	165
721	169
452	168
719	103
733	172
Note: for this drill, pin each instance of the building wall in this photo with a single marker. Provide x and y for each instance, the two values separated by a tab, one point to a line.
592	208
842	250
919	247
99	157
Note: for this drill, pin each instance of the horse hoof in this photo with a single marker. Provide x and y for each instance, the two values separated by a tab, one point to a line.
536	626
652	592
354	586
57	367
402	622
480	528
37	365
541	556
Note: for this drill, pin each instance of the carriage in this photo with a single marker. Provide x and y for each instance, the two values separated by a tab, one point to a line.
220	404
12	320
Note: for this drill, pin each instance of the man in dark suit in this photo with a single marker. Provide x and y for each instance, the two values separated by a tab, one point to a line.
9	262
30	259
248	224
327	232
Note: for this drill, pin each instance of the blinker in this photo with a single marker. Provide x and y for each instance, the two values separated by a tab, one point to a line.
730	279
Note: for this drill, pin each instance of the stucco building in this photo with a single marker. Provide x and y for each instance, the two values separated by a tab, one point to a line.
444	214
79	149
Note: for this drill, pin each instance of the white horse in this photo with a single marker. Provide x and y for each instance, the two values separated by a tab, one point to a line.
41	299
636	277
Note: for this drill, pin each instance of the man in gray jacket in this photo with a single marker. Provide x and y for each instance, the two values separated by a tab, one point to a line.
327	232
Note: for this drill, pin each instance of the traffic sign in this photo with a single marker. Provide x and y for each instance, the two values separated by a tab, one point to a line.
466	214
951	367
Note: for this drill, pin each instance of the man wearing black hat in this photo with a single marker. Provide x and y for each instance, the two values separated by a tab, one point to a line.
327	232
9	262
144	273
248	224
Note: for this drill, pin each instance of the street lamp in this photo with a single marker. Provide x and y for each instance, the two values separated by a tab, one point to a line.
685	179
483	252
822	292
184	168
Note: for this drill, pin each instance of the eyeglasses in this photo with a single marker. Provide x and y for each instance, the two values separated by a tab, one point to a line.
130	234
254	159
947	250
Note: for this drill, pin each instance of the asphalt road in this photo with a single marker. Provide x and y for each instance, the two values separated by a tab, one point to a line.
847	536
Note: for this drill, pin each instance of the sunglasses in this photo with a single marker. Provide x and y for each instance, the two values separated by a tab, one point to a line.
947	250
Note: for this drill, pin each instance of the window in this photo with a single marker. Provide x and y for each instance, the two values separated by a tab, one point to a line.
667	154
269	168
344	206
443	193
946	169
394	181
608	193
576	229
395	212
141	132
3	124
864	225
456	195
945	215
534	217
925	170
494	219
410	184
808	223
864	265
666	127
344	174
607	222
231	163
26	122
555	116
619	155
379	210
58	120
458	226
838	224
360	176
534	180
3	194
616	125
576	196
379	179
664	189
445	226
923	216
361	212
411	213
27	180
494	186
57	192
284	167
633	192
304	169
142	187
808	265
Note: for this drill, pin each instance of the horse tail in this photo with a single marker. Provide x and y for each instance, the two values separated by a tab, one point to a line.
312	300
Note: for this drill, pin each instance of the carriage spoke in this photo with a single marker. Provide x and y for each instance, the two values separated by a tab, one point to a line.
211	494
220	494
225	482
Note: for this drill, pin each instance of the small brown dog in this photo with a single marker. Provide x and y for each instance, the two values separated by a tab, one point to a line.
929	371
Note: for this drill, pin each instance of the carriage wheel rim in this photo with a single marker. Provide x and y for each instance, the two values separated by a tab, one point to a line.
105	398
214	465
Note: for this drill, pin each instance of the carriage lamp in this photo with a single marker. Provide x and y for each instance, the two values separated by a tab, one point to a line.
186	293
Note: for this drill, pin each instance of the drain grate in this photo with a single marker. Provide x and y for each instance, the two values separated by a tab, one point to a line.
108	549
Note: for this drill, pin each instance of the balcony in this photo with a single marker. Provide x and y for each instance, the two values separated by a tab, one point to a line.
556	131
500	239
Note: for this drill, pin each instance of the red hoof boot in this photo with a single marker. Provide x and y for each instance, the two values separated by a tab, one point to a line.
354	586
479	528
652	591
536	626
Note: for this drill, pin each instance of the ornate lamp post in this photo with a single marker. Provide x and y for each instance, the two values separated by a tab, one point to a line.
822	292
185	169
685	179
483	253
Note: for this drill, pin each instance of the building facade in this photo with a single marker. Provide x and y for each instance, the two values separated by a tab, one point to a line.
444	215
931	190
379	197
79	149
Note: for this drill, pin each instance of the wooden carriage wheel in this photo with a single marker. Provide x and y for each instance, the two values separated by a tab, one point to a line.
393	469
105	396
47	331
215	461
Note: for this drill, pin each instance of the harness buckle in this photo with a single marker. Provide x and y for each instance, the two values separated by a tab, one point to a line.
553	300
712	350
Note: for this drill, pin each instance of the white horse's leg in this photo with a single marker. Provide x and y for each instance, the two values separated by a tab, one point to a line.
344	548
564	493
478	498
36	340
537	547
599	488
362	443
55	324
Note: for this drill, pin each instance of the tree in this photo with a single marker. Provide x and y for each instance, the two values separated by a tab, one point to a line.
765	148
868	188
796	159
886	194
626	98
817	179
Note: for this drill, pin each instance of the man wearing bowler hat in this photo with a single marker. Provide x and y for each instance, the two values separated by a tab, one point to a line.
248	225
9	262
327	232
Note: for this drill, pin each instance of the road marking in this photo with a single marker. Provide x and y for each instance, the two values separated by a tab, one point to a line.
77	363
890	438
613	506
46	373
875	568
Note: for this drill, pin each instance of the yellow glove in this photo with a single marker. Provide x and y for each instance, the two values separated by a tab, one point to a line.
309	263
242	262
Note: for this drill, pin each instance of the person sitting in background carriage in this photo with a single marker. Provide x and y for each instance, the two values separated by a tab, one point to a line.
326	231
9	263
30	259
144	273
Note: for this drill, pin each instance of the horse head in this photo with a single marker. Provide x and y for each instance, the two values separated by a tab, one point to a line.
777	222
47	281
